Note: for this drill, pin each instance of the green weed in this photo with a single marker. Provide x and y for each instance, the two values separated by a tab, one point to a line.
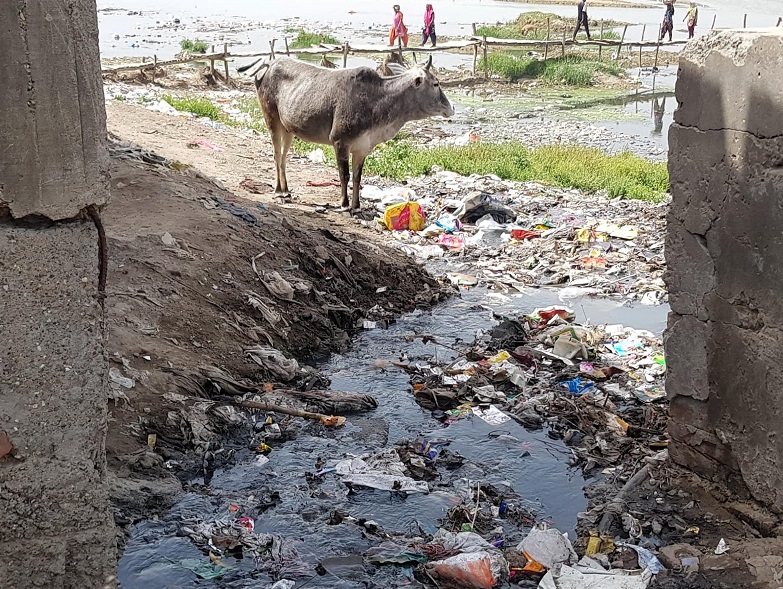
306	39
202	107
191	46
622	176
562	71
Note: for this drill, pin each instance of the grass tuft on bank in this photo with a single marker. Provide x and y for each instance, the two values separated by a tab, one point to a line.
202	107
306	39
193	46
561	71
623	175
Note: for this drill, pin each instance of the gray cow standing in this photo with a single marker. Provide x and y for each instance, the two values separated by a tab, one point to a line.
351	109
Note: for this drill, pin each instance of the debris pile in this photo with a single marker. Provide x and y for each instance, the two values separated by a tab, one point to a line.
510	235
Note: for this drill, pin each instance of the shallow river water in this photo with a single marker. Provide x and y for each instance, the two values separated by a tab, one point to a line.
529	463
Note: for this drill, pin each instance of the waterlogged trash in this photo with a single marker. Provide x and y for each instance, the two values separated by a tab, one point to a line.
478	565
407	215
274	361
384	471
203	570
459	279
284	584
548	546
647	560
393	553
492	415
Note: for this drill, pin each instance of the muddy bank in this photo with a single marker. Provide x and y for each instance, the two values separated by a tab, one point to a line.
197	276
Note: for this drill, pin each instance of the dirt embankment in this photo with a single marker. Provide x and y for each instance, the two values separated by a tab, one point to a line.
182	293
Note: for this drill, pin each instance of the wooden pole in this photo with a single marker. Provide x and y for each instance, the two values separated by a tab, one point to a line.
714	18
399	47
475	52
562	46
154	68
601	38
546	47
780	20
287	50
657	48
619	47
745	22
486	59
644	30
345	55
272	48
225	61
212	63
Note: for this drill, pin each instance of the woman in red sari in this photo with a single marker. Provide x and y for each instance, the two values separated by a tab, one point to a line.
399	30
429	25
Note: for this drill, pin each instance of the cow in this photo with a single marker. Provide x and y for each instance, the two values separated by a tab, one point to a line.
352	109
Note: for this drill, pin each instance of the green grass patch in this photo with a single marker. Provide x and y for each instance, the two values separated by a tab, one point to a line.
623	176
202	107
306	39
561	71
193	46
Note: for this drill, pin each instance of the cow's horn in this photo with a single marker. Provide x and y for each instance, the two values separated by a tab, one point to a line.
429	63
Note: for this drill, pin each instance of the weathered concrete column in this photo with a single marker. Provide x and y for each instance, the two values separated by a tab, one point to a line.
724	251
56	529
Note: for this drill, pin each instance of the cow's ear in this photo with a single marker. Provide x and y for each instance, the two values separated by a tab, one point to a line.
418	81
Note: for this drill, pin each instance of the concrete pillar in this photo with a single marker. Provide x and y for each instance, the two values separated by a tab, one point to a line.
56	529
724	252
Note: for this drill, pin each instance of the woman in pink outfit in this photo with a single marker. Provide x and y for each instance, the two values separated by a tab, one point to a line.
399	30
429	25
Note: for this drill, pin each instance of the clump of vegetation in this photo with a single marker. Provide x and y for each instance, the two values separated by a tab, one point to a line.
561	71
623	176
533	25
201	107
306	39
191	46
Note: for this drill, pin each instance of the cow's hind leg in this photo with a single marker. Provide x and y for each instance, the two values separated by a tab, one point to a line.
341	153
276	133
286	139
358	167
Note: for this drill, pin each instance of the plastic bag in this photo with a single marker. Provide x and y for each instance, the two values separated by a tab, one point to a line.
406	215
482	570
548	547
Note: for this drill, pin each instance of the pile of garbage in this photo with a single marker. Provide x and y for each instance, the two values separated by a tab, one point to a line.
510	235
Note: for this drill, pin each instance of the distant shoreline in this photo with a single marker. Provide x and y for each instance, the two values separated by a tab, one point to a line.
593	3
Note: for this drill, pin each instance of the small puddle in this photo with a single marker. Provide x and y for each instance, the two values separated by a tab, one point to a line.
530	463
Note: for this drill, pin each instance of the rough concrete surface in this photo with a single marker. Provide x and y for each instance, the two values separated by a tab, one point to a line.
53	129
55	524
724	252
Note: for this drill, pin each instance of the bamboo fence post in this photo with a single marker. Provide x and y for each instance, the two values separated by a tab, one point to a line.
399	47
780	20
562	46
272	48
644	30
620	46
546	47
657	48
745	22
601	38
154	67
475	52
345	55
212	62
225	59
714	18
287	50
486	59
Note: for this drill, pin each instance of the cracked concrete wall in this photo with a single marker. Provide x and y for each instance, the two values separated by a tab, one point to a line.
724	251
56	528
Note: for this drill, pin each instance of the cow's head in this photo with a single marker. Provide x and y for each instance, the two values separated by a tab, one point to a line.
428	94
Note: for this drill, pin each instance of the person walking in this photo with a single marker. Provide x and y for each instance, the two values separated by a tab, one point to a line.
429	26
582	20
668	20
692	16
398	30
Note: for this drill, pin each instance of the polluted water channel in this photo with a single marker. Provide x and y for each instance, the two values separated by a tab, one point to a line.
325	528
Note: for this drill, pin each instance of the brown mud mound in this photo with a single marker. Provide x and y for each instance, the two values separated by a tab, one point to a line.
197	276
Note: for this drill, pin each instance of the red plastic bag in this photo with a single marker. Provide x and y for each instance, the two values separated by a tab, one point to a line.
523	234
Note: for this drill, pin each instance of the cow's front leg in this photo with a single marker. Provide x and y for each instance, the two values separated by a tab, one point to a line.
341	153
358	166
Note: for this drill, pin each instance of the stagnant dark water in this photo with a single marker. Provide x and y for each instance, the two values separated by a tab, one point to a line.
530	463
